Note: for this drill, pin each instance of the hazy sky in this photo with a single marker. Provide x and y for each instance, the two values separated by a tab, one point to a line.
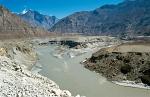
59	8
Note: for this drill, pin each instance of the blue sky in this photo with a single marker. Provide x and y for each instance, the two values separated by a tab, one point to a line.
59	8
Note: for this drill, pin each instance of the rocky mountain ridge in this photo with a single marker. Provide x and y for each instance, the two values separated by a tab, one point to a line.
129	18
37	19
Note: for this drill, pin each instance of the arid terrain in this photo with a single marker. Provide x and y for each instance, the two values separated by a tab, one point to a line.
57	49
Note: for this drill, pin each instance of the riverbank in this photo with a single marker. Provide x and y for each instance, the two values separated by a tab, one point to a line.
131	84
126	64
17	57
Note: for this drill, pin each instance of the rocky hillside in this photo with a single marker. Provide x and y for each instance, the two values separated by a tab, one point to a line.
11	26
38	20
131	17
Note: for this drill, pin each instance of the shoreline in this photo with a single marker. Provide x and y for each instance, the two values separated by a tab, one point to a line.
131	84
126	83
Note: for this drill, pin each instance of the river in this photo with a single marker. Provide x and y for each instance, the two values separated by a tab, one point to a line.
69	74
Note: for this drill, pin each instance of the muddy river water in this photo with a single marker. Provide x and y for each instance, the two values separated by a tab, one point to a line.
69	74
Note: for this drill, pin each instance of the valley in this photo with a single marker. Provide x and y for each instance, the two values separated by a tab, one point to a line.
94	49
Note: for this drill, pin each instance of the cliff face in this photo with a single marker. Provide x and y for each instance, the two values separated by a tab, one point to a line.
131	17
39	20
11	26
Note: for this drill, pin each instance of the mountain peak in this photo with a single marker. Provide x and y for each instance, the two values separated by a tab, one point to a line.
37	19
24	11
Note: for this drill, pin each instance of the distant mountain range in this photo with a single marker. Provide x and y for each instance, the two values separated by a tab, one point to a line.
129	18
12	26
37	19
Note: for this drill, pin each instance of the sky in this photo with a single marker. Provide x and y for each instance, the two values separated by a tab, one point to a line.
58	8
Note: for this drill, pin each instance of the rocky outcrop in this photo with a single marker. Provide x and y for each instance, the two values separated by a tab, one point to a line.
37	19
12	26
121	66
128	18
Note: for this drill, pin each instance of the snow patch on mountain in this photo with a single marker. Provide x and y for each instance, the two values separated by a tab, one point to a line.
24	11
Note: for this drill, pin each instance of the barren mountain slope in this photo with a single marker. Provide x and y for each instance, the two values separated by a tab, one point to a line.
131	17
11	26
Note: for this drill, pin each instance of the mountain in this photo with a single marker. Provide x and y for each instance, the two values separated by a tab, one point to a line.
131	17
37	19
12	26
